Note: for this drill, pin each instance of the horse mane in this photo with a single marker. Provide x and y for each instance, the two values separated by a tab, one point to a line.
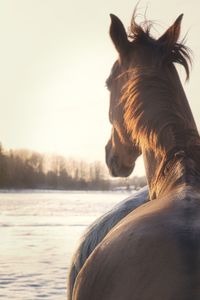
156	112
181	165
169	51
152	95
152	111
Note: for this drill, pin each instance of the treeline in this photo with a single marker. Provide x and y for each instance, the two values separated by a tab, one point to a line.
22	169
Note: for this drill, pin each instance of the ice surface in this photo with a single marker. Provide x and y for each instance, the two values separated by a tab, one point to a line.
39	232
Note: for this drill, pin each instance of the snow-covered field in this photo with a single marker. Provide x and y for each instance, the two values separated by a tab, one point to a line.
39	232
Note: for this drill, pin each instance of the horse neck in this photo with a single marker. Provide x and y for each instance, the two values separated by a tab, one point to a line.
151	164
179	167
183	101
170	136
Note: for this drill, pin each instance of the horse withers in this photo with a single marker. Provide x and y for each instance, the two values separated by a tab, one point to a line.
154	252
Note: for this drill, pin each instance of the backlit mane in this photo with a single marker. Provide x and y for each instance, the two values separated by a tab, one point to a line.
152	108
168	52
148	105
151	99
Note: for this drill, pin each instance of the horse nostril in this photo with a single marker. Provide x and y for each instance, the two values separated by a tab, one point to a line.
113	166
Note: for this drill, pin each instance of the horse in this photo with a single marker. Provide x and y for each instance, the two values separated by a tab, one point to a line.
154	252
98	230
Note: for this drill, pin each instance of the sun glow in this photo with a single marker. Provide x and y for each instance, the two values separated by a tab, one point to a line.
54	62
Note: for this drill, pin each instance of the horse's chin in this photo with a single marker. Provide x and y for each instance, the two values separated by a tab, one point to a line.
124	171
117	166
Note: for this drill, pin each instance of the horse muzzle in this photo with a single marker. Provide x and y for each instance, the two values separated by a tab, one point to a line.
116	167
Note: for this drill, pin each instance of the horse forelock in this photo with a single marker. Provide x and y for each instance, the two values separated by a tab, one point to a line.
172	51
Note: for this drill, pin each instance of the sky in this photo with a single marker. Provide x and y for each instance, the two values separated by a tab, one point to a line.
55	56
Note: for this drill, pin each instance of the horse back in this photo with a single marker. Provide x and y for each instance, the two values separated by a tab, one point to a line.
154	253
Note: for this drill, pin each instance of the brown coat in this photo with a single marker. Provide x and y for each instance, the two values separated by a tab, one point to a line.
154	253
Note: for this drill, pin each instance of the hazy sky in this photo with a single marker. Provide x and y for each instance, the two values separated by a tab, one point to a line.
54	58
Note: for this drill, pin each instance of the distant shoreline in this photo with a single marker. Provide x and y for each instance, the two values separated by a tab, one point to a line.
4	191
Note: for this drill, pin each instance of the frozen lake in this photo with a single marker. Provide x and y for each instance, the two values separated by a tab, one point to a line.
39	232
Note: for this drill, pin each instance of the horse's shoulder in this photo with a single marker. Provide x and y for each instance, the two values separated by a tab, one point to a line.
156	234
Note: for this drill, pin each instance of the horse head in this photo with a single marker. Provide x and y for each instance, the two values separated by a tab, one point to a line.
144	86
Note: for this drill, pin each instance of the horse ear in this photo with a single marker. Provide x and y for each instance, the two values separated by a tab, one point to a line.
170	37
118	34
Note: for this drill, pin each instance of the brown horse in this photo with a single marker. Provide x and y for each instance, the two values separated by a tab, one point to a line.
154	252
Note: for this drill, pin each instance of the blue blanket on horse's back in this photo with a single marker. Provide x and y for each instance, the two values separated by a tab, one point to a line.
99	229
132	202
